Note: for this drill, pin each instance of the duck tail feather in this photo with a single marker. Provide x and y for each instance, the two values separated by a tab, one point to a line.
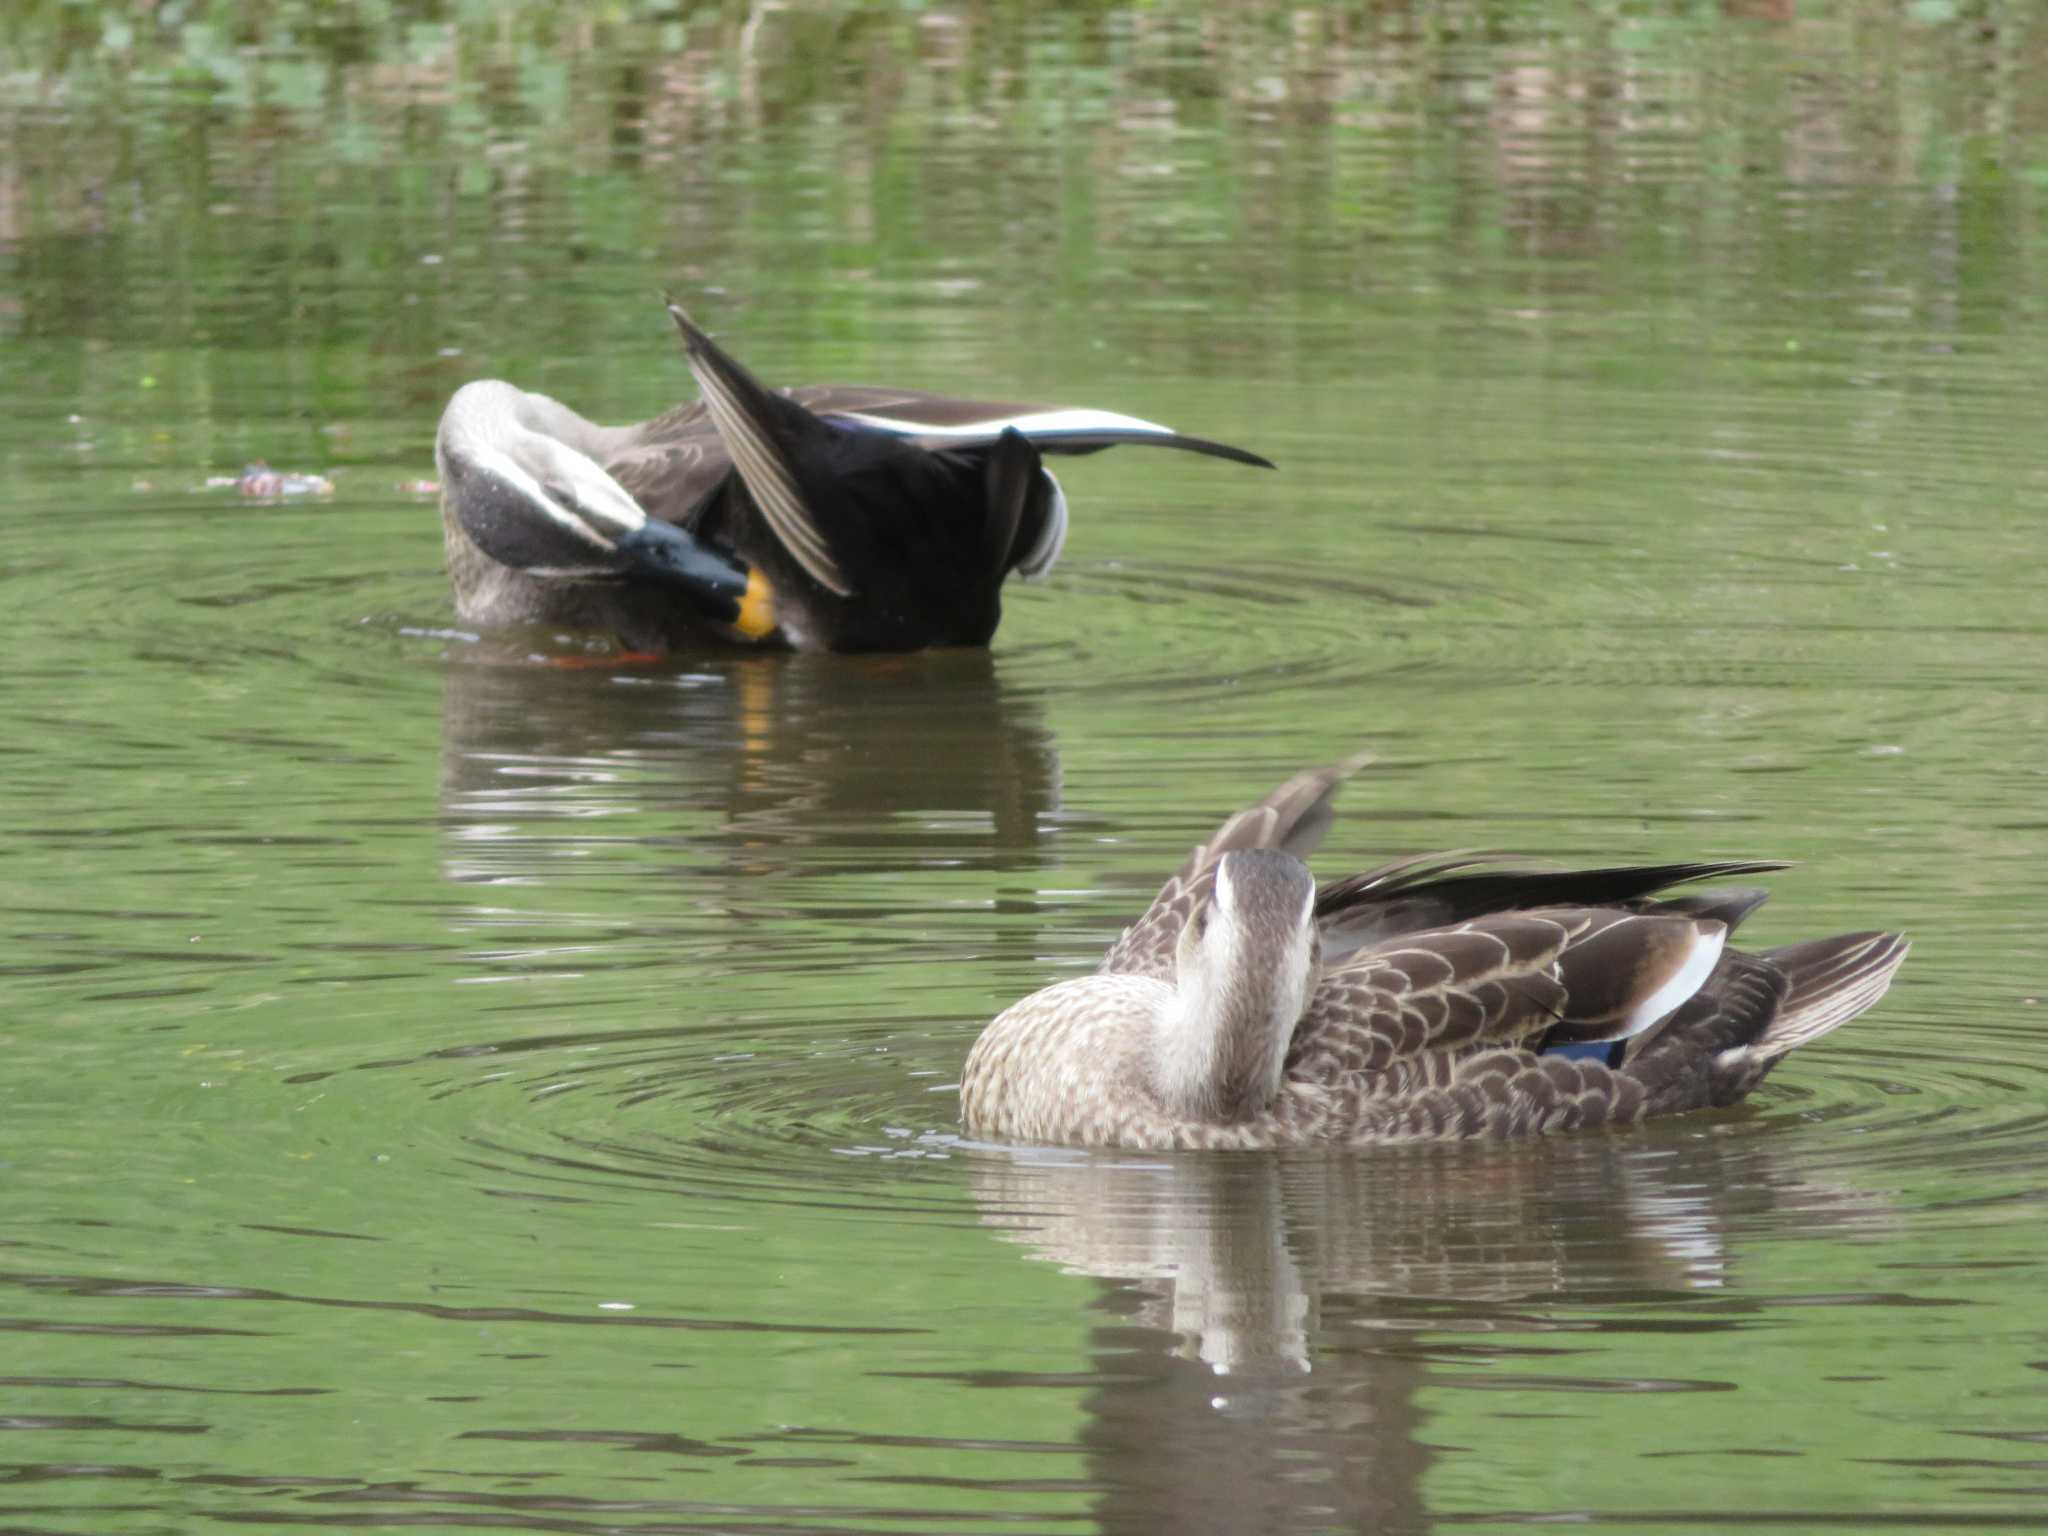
1013	467
1756	1009
1833	980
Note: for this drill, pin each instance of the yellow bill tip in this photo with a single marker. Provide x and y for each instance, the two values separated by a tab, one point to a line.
756	618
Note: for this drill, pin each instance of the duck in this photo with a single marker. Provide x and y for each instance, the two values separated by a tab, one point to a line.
821	517
1439	996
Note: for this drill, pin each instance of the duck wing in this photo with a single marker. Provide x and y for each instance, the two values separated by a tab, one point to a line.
1439	1033
1460	1031
1552	977
762	431
1440	889
945	421
672	463
1754	1012
1293	819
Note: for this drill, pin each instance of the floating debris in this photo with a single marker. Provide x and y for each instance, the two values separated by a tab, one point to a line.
262	483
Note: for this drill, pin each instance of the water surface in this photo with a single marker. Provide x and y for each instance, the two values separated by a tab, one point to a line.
446	1087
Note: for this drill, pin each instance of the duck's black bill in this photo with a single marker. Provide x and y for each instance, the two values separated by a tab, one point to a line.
713	584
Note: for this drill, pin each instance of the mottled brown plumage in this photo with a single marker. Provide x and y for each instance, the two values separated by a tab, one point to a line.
1441	997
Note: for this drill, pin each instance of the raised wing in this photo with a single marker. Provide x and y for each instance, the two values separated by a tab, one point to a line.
1293	818
941	421
753	424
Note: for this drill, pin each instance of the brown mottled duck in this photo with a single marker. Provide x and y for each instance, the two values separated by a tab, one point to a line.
1434	997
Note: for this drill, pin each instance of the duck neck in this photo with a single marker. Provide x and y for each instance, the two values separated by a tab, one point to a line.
551	418
1224	1048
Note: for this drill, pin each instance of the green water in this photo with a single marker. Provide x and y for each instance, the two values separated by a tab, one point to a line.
441	1089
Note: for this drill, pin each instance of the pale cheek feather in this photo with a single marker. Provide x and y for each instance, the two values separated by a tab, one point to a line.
501	465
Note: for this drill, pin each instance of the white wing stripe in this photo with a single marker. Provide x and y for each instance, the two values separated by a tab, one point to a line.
1686	980
1031	424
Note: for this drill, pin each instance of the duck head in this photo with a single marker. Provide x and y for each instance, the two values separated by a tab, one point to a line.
519	483
525	495
1246	963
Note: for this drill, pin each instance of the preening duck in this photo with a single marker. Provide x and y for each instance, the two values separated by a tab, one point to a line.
821	517
1432	997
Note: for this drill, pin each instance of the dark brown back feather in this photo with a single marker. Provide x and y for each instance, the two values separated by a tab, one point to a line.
1436	891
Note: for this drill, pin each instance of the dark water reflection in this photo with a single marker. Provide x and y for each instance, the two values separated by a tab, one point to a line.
448	1089
803	757
1262	1363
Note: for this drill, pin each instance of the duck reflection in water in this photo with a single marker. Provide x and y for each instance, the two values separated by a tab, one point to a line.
773	763
1267	1324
